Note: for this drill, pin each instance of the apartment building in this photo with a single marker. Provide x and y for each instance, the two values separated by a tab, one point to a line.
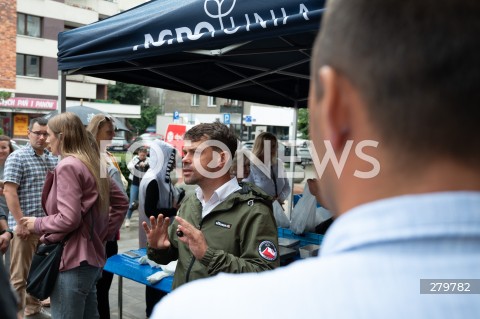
28	59
246	118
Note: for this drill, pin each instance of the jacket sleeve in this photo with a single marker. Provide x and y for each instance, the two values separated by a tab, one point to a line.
151	198
162	256
70	186
285	191
118	209
132	163
115	176
258	229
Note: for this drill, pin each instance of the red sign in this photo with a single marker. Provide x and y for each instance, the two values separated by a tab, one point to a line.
28	103
174	136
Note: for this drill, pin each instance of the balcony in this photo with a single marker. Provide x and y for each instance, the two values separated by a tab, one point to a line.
232	107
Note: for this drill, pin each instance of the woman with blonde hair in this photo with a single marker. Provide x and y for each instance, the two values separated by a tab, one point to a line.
102	128
81	202
268	174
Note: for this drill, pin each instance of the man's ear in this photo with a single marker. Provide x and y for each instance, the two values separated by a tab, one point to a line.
335	123
222	158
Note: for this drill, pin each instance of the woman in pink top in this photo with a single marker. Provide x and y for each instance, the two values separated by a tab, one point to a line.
76	198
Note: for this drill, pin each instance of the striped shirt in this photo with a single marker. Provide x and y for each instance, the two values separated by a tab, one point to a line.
28	170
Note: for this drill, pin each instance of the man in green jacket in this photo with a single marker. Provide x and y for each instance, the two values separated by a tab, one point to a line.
225	226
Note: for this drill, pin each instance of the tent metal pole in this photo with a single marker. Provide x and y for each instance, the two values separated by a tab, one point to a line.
241	122
62	92
293	156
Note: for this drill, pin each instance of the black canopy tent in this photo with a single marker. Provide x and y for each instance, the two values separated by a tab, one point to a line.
246	50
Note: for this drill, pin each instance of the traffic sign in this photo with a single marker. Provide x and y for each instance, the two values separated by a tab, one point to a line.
248	120
226	118
176	115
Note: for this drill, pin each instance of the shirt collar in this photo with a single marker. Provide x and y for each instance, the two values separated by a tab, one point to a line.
29	149
404	218
221	193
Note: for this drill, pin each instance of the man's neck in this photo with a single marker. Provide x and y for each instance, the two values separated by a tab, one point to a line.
209	186
38	151
436	177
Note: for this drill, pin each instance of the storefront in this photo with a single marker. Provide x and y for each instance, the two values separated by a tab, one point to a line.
15	114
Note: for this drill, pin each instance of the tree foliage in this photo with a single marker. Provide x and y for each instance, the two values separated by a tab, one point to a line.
303	122
148	118
5	95
127	93
135	94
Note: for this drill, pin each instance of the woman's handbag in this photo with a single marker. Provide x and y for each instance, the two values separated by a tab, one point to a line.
44	269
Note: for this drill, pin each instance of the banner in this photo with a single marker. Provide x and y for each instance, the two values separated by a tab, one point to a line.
29	103
174	136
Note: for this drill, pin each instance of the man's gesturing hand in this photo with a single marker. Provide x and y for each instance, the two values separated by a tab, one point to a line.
157	234
192	237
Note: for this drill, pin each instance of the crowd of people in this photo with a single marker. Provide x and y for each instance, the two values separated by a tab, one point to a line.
402	73
82	196
48	199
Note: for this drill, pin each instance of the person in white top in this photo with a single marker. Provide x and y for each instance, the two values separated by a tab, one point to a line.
266	169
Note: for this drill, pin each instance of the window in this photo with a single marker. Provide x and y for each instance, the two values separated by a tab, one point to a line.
232	102
28	65
212	101
195	99
29	25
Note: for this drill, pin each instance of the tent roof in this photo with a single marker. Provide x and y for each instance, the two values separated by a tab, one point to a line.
247	50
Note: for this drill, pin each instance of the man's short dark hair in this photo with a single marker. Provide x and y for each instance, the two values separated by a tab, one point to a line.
213	131
416	63
40	120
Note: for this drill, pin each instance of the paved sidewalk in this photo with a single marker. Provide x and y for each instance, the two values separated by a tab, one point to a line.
133	292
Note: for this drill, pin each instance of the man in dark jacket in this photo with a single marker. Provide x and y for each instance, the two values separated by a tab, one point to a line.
224	226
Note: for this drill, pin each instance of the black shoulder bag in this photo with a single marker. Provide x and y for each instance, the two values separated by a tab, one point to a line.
45	266
44	269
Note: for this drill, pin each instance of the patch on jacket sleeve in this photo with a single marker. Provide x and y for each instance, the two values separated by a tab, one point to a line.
222	224
267	250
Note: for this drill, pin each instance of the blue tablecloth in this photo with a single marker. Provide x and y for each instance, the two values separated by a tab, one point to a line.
128	267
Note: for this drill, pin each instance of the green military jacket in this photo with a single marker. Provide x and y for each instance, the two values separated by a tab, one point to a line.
241	234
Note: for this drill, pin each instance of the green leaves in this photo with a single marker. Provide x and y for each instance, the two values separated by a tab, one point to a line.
303	123
135	94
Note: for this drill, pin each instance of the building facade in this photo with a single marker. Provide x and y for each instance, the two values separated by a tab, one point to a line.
28	59
247	119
